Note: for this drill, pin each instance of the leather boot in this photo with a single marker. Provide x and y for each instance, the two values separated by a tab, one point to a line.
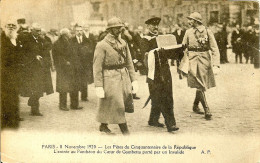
104	128
208	115
124	129
35	111
196	108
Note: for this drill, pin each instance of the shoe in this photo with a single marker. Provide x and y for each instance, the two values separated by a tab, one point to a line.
172	128
77	108
197	110
84	99
208	115
124	129
36	114
136	98
157	124
64	108
103	128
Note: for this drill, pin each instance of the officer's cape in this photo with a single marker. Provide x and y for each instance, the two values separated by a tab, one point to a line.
166	42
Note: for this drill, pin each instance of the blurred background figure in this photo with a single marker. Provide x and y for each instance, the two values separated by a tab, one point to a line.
179	34
248	38
221	38
236	42
89	48
128	35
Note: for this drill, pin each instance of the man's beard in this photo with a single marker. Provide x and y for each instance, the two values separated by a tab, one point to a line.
11	34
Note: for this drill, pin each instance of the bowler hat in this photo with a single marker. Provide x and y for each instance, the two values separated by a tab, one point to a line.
153	21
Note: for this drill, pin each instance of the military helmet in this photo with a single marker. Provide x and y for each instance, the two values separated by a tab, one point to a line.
114	22
195	16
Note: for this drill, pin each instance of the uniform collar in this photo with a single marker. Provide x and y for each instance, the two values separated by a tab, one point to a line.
111	38
200	28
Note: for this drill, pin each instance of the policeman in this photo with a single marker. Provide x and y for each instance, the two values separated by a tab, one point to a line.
160	87
199	42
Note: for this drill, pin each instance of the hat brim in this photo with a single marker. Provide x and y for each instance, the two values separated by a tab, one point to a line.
194	19
115	26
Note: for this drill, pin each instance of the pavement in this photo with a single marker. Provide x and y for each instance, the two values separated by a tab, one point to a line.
231	136
234	103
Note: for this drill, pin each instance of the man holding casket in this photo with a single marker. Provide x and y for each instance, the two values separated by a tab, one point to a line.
159	76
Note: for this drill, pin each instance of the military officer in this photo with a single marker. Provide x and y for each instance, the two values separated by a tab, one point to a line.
199	42
160	87
113	74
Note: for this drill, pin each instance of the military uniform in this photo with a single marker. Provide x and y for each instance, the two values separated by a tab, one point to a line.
199	42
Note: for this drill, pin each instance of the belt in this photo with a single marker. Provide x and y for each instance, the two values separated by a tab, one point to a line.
113	67
198	49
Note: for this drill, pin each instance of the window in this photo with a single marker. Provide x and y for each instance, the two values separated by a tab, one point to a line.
213	17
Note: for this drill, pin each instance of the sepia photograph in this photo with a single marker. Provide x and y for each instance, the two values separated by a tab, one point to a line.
130	81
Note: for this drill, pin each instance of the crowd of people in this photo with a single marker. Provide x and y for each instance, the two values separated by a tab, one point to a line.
110	60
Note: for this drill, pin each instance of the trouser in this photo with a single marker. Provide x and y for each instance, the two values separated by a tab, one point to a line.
34	103
63	99
154	115
162	101
239	54
200	97
84	93
74	99
223	55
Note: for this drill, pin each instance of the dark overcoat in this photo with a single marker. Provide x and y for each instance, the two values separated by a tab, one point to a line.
9	83
82	60
63	53
33	74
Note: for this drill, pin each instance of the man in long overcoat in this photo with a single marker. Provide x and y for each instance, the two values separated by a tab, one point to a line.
66	64
33	73
10	49
113	74
199	42
82	50
160	87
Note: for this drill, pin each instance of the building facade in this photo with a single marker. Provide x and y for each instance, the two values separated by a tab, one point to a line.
175	11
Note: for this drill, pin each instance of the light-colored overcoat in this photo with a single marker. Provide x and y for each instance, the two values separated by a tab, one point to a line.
116	82
200	69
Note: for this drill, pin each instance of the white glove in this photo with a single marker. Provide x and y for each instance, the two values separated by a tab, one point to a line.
216	69
135	60
100	92
38	57
135	87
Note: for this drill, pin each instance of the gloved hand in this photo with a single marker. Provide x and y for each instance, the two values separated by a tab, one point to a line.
135	87
216	69
100	92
